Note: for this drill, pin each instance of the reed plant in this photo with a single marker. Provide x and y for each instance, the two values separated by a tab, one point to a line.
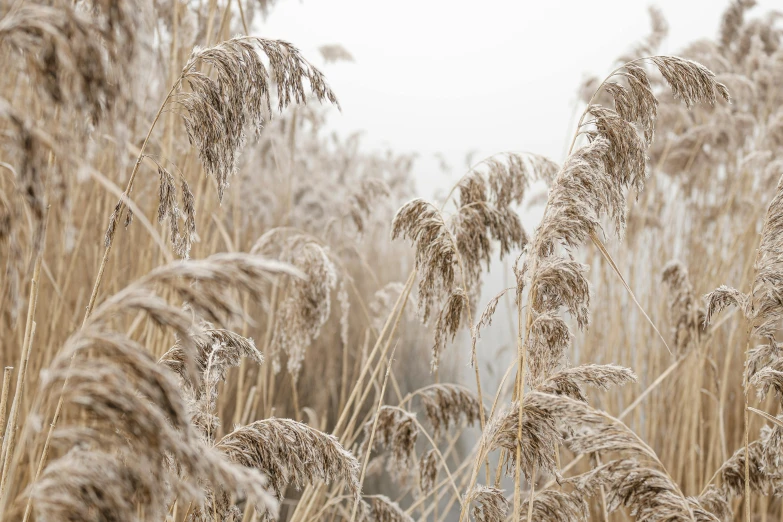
213	310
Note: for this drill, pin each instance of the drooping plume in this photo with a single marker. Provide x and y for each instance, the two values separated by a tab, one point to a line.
220	110
290	452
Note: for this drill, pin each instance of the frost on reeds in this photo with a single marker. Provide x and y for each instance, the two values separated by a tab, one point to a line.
538	442
169	210
32	174
558	402
204	285
382	304
557	506
138	439
448	322
360	201
137	413
448	404
685	312
75	63
75	59
732	21
217	350
591	186
762	311
397	431
593	181
424	224
219	110
451	251
87	485
570	381
762	355
560	282
732	472
594	178
488	504
765	303
648	494
137	410
380	508
722	298
763	476
290	452
428	471
637	482
485	319
332	53
307	304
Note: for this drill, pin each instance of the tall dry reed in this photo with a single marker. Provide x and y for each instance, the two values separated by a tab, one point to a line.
254	354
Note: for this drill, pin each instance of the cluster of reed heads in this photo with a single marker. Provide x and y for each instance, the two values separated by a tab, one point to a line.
133	388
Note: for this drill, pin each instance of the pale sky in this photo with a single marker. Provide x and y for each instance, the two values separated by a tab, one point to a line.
450	77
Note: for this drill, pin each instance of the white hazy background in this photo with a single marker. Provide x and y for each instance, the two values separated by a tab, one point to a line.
455	77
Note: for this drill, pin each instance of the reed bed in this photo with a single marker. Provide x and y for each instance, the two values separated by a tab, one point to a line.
213	310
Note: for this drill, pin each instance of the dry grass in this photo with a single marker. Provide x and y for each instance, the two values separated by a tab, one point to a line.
255	354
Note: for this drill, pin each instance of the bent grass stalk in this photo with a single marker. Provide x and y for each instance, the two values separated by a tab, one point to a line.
372	433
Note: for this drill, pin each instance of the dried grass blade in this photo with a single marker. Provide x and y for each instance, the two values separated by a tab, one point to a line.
601	248
766	415
372	433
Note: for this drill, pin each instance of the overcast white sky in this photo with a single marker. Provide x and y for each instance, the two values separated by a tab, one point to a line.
456	76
